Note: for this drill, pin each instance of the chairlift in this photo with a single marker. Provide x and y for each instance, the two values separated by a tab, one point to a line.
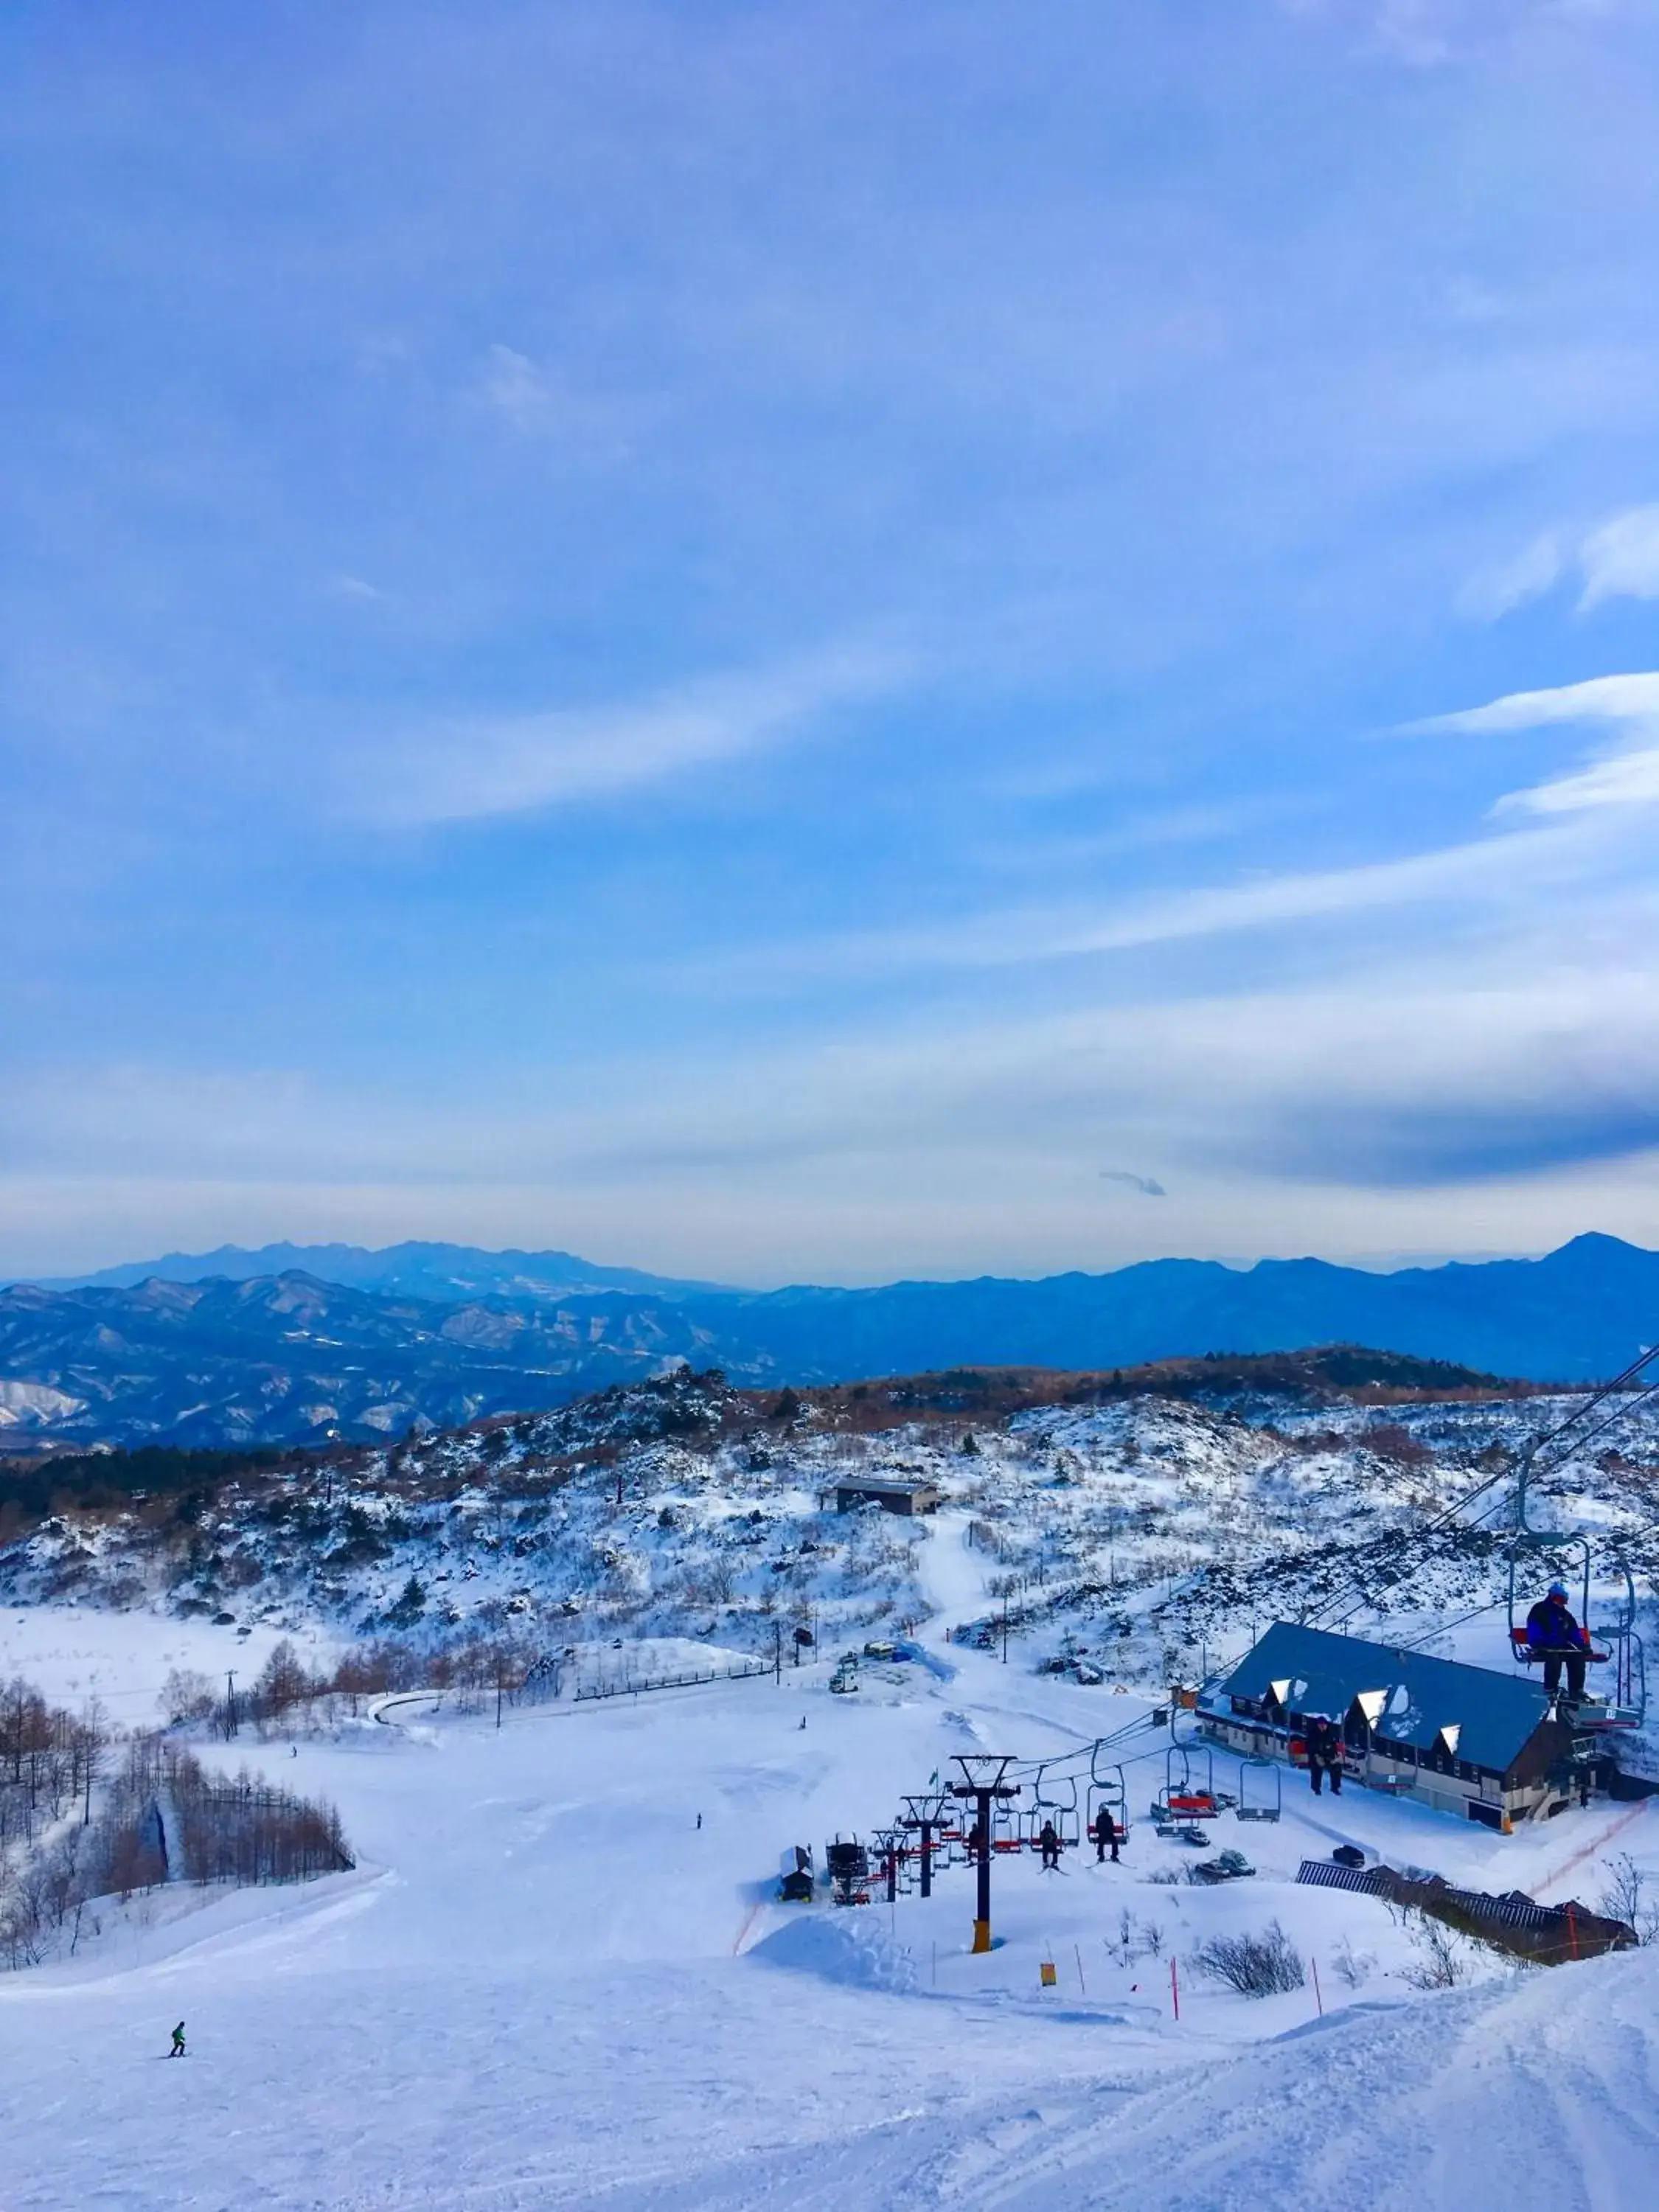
1535	1555
951	1837
1261	1789
1189	1792
848	1863
1057	1801
1107	1791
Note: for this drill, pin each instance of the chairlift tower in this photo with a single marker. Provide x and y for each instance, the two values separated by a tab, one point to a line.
924	1814
983	1773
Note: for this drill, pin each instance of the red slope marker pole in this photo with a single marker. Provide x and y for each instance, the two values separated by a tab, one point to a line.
1175	1988
1081	1983
1318	2000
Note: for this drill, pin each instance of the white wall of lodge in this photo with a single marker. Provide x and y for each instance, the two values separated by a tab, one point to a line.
1470	1793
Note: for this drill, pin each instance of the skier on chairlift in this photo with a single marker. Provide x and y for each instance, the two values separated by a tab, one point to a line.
1324	1740
1552	1630
1050	1841
1108	1836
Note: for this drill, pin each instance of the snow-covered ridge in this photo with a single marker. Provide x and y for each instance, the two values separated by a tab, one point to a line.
34	1404
1141	1540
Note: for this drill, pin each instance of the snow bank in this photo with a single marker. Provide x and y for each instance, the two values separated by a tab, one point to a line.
848	1947
1463	2103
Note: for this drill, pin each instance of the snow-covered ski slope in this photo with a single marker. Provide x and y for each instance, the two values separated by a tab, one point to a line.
547	1986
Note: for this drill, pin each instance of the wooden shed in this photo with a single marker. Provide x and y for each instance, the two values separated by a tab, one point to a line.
893	1493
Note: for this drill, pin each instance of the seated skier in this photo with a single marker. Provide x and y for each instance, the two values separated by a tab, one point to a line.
1552	1630
1324	1740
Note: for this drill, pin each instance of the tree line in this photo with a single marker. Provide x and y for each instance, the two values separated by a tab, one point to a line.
90	1816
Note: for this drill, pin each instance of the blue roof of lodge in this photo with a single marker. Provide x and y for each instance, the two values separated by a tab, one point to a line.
1473	1712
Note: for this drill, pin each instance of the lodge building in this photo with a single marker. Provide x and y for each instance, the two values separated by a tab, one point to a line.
1463	1739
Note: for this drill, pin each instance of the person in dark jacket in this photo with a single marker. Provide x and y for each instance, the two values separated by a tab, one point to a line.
1049	1843
1324	1740
1552	1630
1107	1836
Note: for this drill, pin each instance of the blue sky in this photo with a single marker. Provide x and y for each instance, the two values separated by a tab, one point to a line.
831	641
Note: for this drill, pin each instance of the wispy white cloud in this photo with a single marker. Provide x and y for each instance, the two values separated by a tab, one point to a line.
481	768
516	387
1512	583
1632	698
1621	780
1509	866
1503	869
1620	560
1622	776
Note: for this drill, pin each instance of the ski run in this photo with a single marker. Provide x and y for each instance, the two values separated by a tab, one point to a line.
560	1976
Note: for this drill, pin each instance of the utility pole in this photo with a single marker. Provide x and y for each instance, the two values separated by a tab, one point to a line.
923	1814
1005	1631
777	1651
230	1703
982	1781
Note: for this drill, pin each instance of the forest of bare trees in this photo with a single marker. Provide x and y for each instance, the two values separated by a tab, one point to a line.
89	1818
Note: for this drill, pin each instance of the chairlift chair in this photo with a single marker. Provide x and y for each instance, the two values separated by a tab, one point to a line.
1536	1554
848	1863
1057	1801
1261	1789
1189	1792
950	1837
1107	1791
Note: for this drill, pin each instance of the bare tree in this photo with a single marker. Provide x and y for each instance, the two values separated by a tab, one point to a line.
1625	1897
1261	1966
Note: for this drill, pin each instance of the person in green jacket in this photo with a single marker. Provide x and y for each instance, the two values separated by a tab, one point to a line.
178	2050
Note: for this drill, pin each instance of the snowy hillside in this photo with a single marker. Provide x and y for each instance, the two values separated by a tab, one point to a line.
560	1977
1139	1541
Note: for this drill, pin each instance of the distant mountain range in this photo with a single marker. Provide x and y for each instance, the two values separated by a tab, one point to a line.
445	1272
289	1357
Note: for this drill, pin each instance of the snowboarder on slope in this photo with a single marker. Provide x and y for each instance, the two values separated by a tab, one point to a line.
1551	1629
178	2050
1050	1844
1324	1754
